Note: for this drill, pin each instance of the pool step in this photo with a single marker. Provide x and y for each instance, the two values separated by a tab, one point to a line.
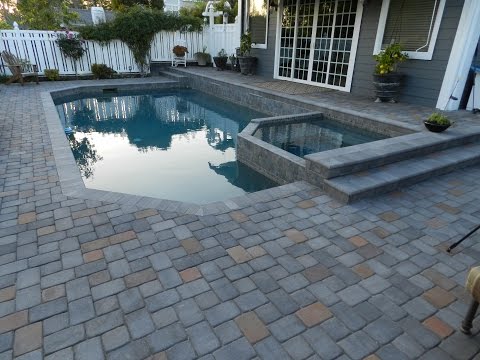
173	75
348	160
390	177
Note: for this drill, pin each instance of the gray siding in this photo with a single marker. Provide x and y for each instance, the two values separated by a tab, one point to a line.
423	78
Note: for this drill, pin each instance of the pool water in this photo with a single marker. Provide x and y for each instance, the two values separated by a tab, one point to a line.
175	144
314	136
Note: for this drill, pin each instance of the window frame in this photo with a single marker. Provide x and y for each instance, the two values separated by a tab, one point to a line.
247	25
427	55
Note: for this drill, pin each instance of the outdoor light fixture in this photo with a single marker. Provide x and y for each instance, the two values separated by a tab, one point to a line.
273	5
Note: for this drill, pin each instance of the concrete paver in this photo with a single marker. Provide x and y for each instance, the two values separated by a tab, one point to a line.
290	277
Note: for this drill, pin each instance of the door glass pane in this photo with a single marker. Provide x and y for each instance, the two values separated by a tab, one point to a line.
287	38
342	42
306	12
323	41
331	41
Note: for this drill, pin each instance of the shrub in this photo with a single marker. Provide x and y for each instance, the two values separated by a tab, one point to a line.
388	59
439	119
102	71
137	27
222	53
71	45
4	79
245	43
52	74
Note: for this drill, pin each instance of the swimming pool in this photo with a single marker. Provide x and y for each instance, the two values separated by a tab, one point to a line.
176	144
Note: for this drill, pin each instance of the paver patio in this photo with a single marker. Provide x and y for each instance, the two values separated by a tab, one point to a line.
300	277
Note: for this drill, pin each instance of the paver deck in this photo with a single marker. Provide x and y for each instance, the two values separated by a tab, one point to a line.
300	277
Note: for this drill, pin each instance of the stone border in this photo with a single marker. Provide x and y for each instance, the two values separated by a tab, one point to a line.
284	167
72	183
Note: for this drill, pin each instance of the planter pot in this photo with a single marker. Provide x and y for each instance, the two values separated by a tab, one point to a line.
220	62
247	64
435	127
387	86
202	59
179	53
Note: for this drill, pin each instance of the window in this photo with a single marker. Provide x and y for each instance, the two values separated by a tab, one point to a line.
413	23
258	22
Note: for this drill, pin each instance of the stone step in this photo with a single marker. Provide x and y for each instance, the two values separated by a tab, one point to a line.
173	75
348	160
390	177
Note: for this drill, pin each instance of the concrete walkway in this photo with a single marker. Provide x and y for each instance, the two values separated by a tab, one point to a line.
300	277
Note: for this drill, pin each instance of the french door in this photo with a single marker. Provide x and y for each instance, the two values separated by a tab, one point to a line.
317	41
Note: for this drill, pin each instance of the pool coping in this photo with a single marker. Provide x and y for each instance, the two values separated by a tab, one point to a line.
72	184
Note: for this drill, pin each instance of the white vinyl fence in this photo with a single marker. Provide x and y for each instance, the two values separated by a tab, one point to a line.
40	48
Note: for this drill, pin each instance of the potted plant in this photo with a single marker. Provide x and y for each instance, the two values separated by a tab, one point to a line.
233	62
386	79
203	57
221	60
437	123
180	50
247	62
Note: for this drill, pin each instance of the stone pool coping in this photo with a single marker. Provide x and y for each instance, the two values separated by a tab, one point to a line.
71	181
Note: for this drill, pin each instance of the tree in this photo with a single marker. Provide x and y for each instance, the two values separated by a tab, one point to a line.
106	4
45	14
125	4
197	8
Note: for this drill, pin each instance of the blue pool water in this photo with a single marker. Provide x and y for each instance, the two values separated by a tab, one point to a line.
175	144
314	136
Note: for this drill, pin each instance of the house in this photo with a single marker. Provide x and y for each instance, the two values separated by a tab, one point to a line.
175	5
331	43
90	16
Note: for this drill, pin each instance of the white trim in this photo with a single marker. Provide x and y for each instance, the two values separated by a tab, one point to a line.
312	43
276	60
461	55
353	50
418	55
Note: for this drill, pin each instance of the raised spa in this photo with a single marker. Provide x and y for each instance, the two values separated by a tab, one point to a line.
314	135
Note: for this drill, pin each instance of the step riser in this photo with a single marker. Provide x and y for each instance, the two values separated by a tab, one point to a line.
391	186
329	173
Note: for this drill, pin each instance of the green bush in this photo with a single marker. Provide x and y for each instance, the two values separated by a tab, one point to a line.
388	59
102	71
245	43
52	74
137	27
439	119
4	79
